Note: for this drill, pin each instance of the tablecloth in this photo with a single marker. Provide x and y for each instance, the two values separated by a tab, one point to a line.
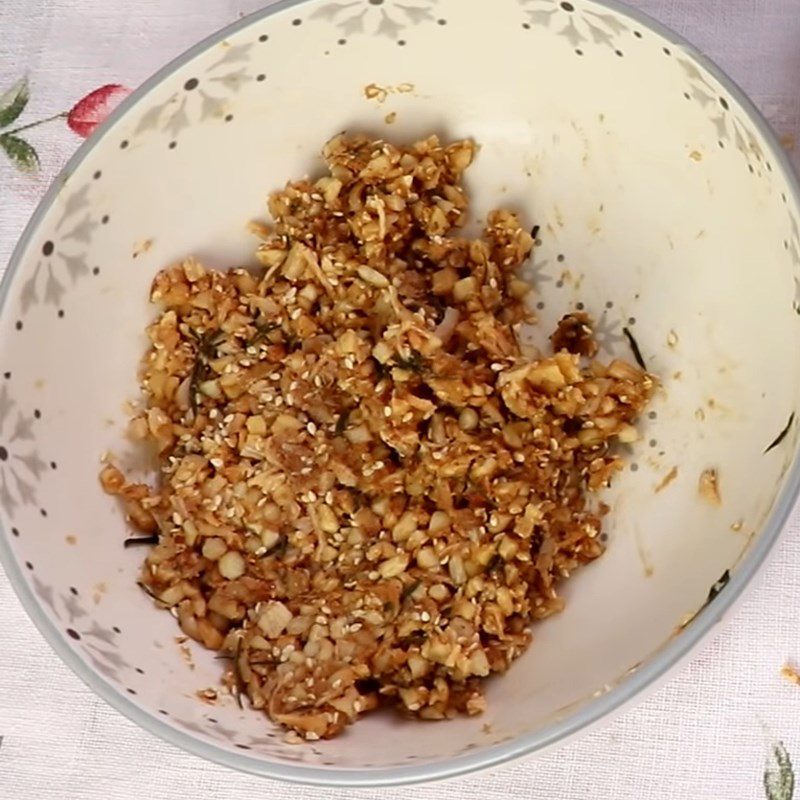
711	733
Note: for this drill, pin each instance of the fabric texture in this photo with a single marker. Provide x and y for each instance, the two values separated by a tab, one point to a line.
705	735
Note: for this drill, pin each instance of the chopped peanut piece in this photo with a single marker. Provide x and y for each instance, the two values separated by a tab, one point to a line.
791	674
708	487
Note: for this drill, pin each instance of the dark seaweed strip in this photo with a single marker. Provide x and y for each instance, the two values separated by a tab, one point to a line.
782	435
637	353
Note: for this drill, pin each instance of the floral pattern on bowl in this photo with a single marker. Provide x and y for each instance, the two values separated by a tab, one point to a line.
188	162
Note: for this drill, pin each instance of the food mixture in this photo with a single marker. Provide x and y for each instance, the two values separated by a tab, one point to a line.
367	489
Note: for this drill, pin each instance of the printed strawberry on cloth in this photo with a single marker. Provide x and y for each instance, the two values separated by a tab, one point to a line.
725	727
82	119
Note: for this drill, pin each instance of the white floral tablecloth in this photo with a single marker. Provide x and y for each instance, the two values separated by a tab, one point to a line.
709	734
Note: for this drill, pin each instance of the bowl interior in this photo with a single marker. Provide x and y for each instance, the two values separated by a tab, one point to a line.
663	210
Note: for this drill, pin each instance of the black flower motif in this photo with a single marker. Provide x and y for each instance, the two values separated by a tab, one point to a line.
226	734
104	668
263	742
608	332
100	634
207	96
377	17
191	725
44	593
21	466
64	257
97	642
111	658
73	607
537	272
579	26
729	128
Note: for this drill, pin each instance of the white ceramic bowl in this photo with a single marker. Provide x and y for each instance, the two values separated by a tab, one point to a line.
666	207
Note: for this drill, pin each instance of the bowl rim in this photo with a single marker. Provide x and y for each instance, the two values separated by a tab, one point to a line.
597	709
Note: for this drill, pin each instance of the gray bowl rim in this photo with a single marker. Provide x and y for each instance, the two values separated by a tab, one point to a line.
595	710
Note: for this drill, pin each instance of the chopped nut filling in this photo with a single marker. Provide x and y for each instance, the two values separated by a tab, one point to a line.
367	493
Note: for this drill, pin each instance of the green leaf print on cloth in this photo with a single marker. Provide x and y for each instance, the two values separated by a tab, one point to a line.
83	118
20	152
13	102
779	775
